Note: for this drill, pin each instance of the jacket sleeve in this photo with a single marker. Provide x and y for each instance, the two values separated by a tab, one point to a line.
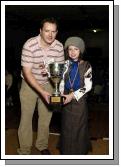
87	84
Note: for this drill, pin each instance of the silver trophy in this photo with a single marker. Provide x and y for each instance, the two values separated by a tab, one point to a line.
56	72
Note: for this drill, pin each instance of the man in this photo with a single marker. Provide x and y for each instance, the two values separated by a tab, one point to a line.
35	87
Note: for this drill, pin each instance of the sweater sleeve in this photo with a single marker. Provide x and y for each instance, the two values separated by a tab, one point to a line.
87	84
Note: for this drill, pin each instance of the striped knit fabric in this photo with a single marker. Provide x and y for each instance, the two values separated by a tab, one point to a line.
33	55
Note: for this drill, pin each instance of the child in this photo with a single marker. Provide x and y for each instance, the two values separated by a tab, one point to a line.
77	82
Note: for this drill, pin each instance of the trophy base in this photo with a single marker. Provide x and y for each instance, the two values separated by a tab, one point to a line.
56	103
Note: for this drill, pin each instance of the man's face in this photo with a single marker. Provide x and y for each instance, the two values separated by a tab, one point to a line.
48	33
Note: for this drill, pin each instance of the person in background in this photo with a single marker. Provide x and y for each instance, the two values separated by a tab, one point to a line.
8	86
76	84
12	99
35	88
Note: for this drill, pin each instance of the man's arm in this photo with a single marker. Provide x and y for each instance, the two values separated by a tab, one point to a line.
29	78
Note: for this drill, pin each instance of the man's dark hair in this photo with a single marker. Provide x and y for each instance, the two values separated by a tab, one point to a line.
49	20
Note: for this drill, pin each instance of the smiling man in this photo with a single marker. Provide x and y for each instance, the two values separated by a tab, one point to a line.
35	88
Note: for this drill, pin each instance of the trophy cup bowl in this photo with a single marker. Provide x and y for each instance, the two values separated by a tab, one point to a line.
56	72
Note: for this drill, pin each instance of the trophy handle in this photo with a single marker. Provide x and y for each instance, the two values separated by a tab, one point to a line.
47	64
48	73
66	67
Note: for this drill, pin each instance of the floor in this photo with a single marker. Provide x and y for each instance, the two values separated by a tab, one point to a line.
98	127
100	146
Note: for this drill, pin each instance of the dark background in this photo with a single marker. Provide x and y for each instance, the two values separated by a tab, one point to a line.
23	22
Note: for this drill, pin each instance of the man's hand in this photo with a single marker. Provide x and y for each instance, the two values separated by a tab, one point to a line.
33	82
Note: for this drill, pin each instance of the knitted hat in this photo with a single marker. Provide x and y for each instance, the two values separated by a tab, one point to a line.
75	41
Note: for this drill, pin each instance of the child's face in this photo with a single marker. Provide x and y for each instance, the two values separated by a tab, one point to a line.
73	52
